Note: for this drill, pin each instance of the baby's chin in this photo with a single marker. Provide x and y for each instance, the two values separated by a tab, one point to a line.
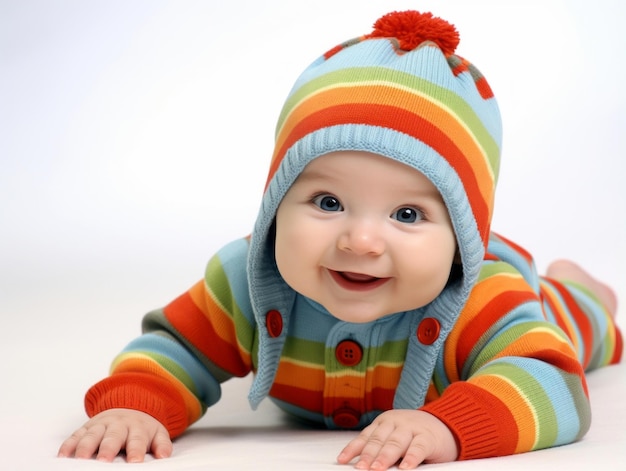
358	316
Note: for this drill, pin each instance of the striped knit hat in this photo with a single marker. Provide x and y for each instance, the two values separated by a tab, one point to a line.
402	93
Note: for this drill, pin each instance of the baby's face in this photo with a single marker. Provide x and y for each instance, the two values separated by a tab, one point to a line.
364	236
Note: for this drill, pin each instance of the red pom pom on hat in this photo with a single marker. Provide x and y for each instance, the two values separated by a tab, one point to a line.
411	28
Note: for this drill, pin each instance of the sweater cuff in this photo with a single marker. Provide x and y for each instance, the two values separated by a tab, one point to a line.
481	423
142	392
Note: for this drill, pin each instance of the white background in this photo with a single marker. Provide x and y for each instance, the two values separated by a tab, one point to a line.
135	137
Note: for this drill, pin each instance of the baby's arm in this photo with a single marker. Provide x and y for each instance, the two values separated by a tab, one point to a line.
413	435
172	373
114	430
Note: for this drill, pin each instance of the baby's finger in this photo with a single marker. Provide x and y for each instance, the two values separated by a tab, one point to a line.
355	446
68	447
351	450
384	447
89	442
112	442
383	450
415	454
137	445
161	444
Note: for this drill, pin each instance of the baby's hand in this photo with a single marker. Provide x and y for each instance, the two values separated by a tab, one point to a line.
413	435
114	430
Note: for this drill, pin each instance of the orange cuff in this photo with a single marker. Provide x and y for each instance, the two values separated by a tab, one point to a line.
482	424
142	392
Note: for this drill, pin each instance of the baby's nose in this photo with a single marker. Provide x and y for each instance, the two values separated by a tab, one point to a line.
362	238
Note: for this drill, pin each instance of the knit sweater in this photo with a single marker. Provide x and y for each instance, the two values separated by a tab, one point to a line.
498	356
508	379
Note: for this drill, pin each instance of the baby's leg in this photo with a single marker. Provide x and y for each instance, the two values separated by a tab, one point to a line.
585	309
564	270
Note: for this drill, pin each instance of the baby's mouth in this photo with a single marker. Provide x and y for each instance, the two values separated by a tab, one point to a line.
357	277
356	281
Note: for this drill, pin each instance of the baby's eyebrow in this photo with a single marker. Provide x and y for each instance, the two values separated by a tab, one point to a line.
418	191
308	175
430	192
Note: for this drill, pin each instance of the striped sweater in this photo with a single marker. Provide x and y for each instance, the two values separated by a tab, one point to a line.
499	356
509	378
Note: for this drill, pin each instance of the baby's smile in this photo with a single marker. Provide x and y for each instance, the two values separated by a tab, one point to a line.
356	281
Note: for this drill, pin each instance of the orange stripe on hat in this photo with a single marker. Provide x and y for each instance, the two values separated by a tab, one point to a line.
454	144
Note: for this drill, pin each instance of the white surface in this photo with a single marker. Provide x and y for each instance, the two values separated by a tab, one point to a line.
134	141
231	437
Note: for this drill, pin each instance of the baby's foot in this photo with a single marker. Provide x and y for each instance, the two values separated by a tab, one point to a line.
564	270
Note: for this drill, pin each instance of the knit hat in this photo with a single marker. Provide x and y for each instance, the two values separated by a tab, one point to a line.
402	93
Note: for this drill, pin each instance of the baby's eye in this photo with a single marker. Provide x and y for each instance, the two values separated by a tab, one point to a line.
407	215
327	203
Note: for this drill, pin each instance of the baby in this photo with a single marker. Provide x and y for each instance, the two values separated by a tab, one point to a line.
372	294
